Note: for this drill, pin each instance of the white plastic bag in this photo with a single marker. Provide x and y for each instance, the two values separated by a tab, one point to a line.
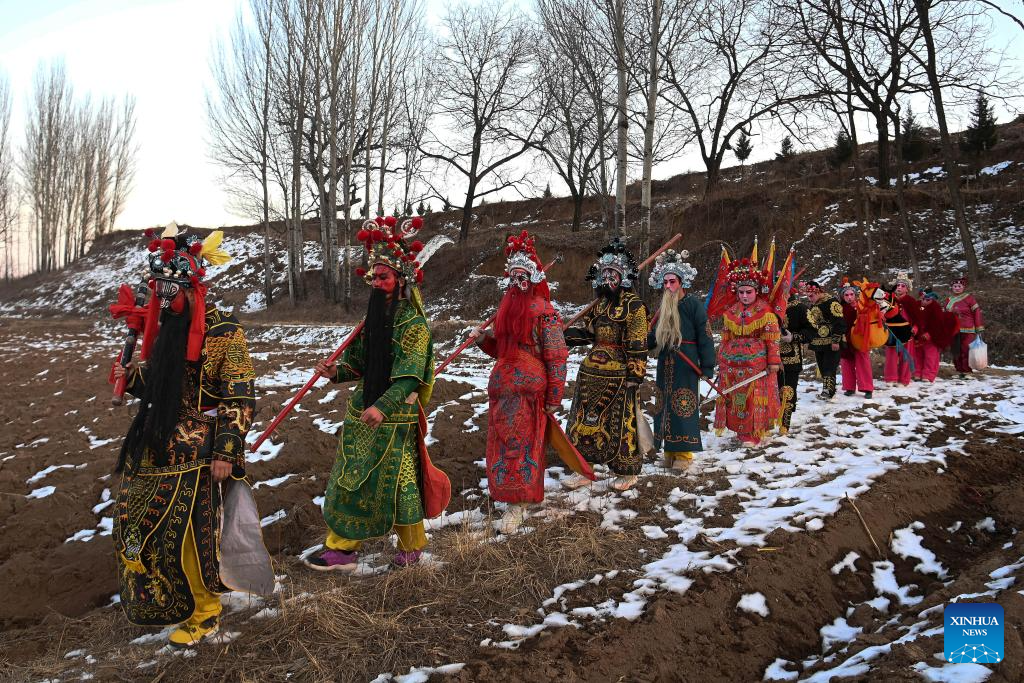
977	354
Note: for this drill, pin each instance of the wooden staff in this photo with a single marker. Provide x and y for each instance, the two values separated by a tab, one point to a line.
305	388
647	261
128	350
483	326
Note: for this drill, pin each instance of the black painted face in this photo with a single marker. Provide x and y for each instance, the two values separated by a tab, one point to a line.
168	291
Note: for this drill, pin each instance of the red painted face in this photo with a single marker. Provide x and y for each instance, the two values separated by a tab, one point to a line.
384	278
672	283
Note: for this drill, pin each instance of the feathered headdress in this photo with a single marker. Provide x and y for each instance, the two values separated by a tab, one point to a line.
614	256
178	259
386	243
672	262
521	254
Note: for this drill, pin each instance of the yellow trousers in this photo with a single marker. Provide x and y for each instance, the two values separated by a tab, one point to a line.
207	603
410	537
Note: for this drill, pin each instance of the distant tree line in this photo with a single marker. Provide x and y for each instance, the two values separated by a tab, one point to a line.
333	109
69	180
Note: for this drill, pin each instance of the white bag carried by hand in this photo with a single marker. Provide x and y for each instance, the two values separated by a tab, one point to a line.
977	354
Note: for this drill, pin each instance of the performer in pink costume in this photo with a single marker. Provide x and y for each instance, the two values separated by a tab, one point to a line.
968	312
854	364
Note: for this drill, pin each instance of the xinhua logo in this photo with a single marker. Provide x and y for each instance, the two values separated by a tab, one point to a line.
973	632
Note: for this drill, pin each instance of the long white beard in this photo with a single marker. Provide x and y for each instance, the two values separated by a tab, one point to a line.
666	332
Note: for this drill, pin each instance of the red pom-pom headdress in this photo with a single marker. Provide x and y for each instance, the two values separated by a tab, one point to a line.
521	253
746	273
386	243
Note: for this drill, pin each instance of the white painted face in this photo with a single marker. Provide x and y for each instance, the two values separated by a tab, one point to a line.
746	294
849	296
958	287
519	278
902	289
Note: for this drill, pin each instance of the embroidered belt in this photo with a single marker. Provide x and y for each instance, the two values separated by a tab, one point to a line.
180	468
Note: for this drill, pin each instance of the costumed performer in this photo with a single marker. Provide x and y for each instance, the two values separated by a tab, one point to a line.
603	419
854	362
526	385
383	480
682	328
966	308
750	346
187	440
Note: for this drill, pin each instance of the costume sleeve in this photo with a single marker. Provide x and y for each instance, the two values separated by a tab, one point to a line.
770	335
396	395
580	334
837	323
488	344
705	342
236	394
635	340
979	321
554	354
351	365
135	384
411	355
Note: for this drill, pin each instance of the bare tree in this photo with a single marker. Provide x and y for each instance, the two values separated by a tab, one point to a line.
9	199
740	65
490	115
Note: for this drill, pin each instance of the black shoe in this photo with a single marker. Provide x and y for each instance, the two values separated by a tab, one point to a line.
867	395
849	393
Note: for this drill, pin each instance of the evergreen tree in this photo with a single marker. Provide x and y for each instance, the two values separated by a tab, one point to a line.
842	151
981	135
362	210
398	212
787	151
408	209
420	209
446	206
428	210
743	147
547	192
915	144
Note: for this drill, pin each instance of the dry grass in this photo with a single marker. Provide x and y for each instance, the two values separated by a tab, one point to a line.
339	628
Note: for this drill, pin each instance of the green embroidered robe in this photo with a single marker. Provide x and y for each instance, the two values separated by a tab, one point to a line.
374	484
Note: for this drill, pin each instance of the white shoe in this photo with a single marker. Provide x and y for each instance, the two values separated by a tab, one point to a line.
512	519
576	481
625	483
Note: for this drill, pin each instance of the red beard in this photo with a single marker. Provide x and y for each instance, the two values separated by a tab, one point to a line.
514	323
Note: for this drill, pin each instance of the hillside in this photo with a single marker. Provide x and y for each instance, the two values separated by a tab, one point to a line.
803	203
825	555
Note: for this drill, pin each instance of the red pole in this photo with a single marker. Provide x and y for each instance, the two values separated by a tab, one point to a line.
305	388
483	326
697	370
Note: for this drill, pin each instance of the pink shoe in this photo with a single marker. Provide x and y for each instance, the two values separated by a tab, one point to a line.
333	561
407	558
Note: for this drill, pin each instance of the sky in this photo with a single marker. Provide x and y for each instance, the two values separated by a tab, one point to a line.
159	51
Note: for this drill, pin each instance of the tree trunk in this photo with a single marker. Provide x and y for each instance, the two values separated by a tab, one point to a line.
949	151
861	202
882	123
901	204
623	121
577	208
268	262
652	101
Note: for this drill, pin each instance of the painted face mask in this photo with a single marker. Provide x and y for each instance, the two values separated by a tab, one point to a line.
610	278
519	279
384	278
170	293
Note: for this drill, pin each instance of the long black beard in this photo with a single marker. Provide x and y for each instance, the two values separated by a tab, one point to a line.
161	399
380	323
608	294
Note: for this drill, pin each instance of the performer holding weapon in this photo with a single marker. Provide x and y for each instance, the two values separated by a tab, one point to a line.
133	310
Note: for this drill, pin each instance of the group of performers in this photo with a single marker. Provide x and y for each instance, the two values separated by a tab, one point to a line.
182	462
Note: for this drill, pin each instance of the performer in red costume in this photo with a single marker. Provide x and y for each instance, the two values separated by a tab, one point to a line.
936	330
526	385
899	350
972	323
750	346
